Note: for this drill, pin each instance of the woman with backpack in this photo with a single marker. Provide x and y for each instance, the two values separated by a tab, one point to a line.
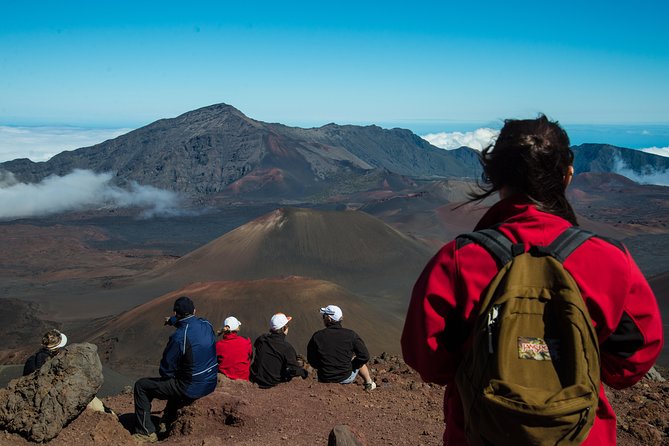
453	321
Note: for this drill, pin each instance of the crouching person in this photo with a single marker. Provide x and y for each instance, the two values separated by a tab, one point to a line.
187	370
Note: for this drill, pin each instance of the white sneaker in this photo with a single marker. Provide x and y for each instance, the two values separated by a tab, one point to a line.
144	438
370	386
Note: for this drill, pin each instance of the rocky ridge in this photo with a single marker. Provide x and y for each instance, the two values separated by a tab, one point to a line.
401	411
217	149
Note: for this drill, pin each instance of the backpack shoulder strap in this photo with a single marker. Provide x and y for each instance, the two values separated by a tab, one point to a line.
496	243
567	242
503	250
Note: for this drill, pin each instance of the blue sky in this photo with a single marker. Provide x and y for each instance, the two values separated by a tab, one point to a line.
428	66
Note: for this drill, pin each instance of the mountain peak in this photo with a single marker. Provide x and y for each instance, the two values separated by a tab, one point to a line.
216	112
218	150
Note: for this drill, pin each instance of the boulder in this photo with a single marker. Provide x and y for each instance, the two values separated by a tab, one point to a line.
343	435
654	375
39	405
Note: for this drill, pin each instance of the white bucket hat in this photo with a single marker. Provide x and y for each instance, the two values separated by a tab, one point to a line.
54	339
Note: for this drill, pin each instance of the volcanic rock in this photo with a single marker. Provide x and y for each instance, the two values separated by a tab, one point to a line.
39	405
342	435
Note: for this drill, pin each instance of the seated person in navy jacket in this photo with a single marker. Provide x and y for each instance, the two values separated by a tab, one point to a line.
187	370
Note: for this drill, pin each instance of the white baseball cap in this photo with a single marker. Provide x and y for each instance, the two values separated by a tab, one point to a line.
231	322
278	321
333	311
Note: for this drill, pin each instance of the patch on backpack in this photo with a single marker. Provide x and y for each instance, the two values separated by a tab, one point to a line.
537	349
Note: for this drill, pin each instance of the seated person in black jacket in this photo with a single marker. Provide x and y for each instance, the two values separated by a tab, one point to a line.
275	360
52	342
338	353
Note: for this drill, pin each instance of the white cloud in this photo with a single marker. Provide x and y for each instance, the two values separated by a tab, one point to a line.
478	139
81	189
659	178
662	151
41	143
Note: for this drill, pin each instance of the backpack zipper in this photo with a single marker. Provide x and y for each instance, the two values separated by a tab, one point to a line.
493	315
581	423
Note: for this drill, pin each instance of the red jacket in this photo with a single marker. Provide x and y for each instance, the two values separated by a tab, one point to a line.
234	356
444	304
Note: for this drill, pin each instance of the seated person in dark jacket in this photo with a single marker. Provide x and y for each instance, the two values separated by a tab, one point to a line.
275	360
52	342
187	370
338	353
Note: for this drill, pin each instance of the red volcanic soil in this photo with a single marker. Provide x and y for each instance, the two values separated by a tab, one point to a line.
51	253
401	411
133	342
257	180
614	199
660	286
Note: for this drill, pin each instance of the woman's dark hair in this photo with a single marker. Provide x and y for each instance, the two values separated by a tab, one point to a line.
532	157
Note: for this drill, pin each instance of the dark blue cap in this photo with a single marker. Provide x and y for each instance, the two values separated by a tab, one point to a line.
183	306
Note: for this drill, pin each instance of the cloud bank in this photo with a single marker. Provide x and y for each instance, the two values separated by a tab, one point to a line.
41	143
662	151
80	190
658	178
478	139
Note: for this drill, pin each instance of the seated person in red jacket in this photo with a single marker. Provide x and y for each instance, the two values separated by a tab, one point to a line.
233	352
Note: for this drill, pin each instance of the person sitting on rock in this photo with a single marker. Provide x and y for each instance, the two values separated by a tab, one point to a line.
52	341
187	370
330	351
275	359
233	352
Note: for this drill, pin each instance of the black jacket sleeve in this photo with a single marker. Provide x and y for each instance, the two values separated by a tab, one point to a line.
292	368
35	362
361	353
313	357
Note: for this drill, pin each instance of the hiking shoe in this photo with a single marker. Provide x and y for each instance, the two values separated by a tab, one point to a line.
144	438
370	386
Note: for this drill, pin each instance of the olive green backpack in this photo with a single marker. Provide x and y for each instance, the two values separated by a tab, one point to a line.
532	374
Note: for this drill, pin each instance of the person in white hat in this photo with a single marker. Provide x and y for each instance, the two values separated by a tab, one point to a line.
330	351
233	352
275	359
52	341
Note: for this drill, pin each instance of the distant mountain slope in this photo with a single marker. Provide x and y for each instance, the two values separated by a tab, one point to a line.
607	158
218	149
349	248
